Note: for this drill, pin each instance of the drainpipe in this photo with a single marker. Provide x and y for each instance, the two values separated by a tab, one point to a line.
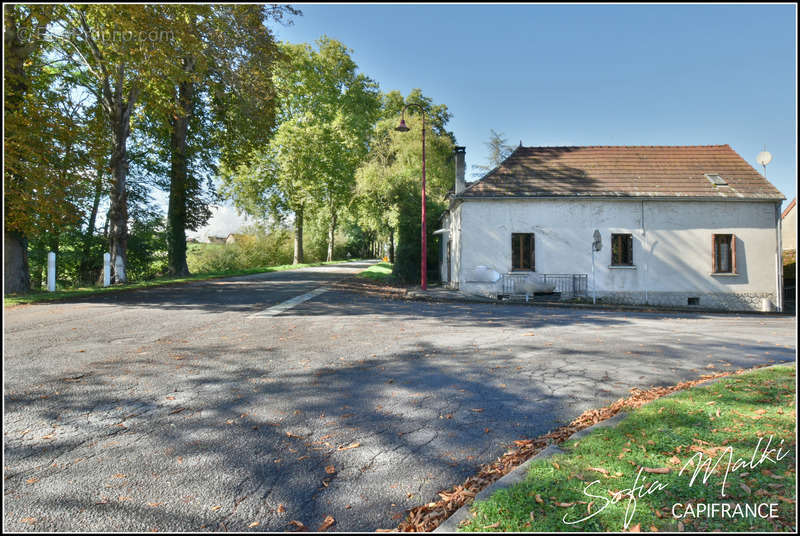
778	259
644	240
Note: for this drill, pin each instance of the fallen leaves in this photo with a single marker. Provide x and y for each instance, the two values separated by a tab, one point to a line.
253	524
326	524
281	509
298	525
657	470
427	517
353	445
331	470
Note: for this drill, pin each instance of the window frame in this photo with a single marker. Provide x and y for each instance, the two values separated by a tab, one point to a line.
715	269
630	249
532	247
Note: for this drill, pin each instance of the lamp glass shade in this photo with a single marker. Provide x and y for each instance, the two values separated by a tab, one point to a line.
402	126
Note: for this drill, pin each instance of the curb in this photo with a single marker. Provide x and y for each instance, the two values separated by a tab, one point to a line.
519	473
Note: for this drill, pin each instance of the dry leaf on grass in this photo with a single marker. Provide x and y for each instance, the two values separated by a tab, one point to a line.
656	470
599	470
427	517
330	469
353	445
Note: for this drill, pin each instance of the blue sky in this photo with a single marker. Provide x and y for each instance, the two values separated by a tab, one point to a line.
586	74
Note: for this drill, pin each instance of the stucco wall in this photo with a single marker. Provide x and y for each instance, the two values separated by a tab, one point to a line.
789	230
671	246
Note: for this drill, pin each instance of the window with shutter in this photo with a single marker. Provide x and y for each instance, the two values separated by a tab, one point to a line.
621	250
724	254
523	253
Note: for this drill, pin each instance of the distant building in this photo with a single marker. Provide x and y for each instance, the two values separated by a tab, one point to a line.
234	237
216	239
192	241
789	226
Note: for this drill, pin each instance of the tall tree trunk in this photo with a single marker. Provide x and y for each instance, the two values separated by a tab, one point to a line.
84	270
15	263
298	236
176	214
119	113
391	245
331	233
16	51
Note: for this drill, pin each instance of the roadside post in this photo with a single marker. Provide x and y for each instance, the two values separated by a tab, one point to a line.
51	272
106	269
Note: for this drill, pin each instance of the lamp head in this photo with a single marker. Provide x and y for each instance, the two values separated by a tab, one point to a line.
402	126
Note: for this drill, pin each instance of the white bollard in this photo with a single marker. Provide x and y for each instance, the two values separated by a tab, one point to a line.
106	269
51	272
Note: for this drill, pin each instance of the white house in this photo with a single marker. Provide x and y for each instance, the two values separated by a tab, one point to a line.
678	225
789	226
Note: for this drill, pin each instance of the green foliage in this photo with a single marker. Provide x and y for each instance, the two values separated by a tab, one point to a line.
409	231
390	181
326	115
115	102
255	247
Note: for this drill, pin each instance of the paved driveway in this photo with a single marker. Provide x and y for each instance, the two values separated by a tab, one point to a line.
179	409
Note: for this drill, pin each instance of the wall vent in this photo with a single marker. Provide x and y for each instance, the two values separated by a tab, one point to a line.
693	301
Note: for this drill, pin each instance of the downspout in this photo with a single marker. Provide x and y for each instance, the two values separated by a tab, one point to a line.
778	259
644	240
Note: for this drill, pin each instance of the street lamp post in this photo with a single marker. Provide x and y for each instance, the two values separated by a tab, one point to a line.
403	128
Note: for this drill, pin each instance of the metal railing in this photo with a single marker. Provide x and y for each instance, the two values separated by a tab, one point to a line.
568	285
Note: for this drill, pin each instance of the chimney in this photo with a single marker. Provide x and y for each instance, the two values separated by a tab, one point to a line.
460	185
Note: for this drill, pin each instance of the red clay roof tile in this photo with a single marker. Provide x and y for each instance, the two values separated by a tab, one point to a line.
620	171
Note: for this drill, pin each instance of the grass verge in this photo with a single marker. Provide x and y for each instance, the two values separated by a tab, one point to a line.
378	272
658	447
63	294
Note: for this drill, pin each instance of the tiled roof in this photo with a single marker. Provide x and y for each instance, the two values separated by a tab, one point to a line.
623	171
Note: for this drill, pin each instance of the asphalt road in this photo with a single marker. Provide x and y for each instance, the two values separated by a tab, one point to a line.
183	409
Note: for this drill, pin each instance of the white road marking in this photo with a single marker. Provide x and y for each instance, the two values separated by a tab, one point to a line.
288	304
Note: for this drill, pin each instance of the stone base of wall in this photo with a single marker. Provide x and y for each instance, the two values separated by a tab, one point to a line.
745	301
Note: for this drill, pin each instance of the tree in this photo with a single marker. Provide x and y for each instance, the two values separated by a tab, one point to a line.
498	151
325	118
123	52
389	182
42	178
220	105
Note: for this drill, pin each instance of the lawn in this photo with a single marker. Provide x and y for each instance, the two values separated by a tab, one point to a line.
630	477
61	294
378	272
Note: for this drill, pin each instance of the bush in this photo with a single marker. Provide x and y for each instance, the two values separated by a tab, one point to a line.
409	248
258	249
